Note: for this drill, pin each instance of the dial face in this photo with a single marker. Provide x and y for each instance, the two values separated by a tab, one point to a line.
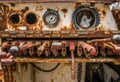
85	18
51	18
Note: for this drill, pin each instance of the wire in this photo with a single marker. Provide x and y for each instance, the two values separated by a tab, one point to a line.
50	70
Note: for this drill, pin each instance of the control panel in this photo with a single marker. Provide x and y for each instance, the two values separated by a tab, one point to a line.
59	31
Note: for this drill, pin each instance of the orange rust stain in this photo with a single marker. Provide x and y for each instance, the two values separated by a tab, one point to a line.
104	13
64	28
25	10
52	80
116	15
92	4
57	32
39	8
64	10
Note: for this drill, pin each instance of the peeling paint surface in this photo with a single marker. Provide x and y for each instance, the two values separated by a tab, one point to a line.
25	71
65	10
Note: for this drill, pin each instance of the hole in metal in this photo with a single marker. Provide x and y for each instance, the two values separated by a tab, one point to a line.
31	18
14	19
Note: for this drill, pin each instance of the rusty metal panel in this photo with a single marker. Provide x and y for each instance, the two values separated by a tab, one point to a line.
102	1
65	10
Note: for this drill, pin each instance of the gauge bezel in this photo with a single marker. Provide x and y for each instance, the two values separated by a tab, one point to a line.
28	13
51	11
11	22
88	9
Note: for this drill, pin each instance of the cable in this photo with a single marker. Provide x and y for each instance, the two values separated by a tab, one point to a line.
44	69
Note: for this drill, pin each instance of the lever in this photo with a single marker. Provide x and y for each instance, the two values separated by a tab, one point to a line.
41	49
31	51
3	55
14	50
64	43
4	45
89	50
72	49
47	49
55	47
79	49
116	39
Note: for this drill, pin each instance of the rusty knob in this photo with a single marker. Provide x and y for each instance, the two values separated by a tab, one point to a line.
116	39
14	50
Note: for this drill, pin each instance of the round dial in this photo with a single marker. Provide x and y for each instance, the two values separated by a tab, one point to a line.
51	18
85	17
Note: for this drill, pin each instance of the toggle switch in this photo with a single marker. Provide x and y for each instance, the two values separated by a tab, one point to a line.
32	48
102	49
4	45
64	50
47	49
31	51
55	47
3	55
41	48
79	49
26	45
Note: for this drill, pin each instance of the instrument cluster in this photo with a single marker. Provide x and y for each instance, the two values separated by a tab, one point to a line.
56	19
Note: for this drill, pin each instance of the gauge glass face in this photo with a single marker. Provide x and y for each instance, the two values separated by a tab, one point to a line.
85	18
51	18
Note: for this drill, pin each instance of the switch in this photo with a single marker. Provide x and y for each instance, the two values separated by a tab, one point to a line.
64	50
41	48
55	47
79	49
47	49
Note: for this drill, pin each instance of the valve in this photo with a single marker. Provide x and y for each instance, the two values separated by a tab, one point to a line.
72	49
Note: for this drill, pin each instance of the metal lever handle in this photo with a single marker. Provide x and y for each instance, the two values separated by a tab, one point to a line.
72	48
89	50
41	49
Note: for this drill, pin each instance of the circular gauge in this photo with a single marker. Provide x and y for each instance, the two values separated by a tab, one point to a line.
51	18
31	18
15	19
85	17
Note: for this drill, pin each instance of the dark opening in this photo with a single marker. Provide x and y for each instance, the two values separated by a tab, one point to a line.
15	18
31	18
